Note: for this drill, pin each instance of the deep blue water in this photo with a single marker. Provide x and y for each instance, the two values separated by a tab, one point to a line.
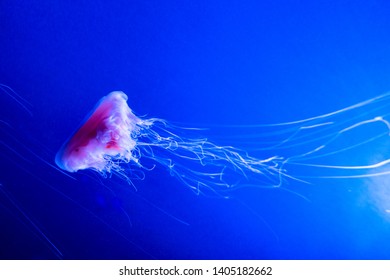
201	64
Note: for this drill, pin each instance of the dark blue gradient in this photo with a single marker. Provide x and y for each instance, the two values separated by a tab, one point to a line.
199	63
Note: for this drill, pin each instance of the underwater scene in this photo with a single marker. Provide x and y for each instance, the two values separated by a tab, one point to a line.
194	130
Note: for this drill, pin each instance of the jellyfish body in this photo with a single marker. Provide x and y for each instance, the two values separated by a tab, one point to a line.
113	138
104	136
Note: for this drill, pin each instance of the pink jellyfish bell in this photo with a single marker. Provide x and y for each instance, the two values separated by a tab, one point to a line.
104	139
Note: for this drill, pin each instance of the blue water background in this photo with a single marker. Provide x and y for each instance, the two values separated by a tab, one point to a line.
199	63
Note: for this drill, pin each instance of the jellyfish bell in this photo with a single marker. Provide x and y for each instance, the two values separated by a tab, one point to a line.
105	135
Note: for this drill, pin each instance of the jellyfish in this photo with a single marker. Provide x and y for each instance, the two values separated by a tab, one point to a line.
114	140
112	137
